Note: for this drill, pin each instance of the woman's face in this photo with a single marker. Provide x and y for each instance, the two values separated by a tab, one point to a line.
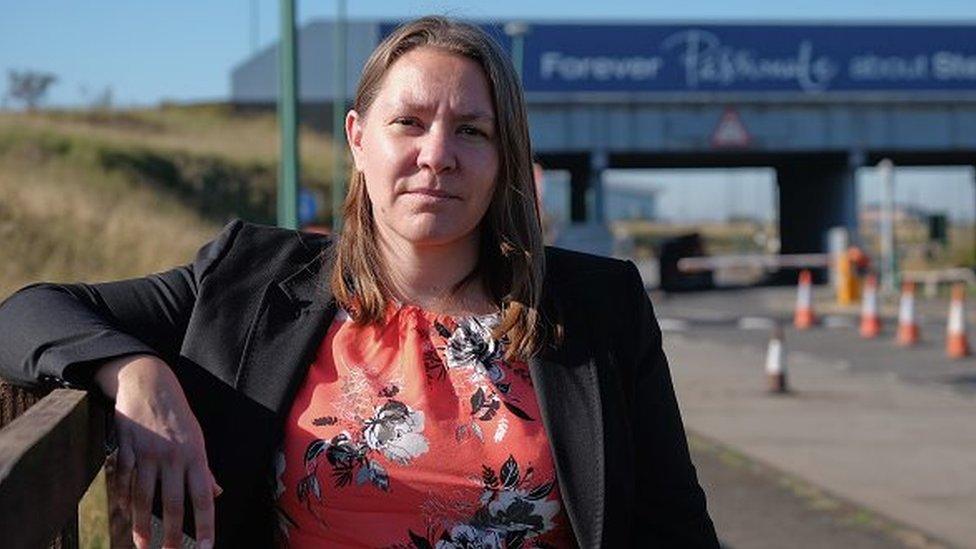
427	148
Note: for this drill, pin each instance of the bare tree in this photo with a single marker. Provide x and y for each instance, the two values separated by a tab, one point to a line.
29	87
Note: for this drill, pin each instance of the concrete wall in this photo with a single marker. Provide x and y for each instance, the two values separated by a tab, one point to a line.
255	81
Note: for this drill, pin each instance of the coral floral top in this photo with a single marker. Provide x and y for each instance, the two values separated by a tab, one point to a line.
417	433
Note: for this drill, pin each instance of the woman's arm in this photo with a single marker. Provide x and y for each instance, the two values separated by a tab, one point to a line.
118	336
60	332
671	509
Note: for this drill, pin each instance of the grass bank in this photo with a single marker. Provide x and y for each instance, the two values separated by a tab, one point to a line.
106	195
103	195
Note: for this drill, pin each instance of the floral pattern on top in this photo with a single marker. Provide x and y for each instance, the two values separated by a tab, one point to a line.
512	511
417	432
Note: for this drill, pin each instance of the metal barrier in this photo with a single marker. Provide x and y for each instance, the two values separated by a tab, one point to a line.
930	280
704	263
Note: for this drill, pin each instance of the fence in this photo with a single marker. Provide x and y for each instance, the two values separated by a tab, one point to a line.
52	444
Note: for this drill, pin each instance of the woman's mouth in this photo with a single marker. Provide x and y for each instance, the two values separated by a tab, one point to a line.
433	194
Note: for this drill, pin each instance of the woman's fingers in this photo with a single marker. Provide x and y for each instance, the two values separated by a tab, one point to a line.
217	490
125	462
143	488
201	485
172	497
163	442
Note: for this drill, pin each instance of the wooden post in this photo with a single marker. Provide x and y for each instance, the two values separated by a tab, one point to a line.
51	448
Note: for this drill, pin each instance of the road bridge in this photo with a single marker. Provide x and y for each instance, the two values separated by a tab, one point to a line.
815	102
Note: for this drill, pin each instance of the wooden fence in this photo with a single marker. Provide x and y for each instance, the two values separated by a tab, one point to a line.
52	444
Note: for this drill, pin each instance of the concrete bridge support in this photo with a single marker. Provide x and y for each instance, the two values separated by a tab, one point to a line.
587	230
586	200
815	196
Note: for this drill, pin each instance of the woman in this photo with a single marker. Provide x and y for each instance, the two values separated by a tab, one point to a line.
434	378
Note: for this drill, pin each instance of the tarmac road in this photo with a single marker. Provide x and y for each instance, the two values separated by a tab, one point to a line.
890	429
755	506
716	316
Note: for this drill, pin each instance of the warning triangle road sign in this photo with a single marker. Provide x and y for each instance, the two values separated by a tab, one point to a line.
730	131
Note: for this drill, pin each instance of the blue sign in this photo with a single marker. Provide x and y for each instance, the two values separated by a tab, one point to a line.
307	206
805	59
808	59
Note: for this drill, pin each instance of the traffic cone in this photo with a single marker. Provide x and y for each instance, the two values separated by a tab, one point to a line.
870	321
956	344
907	324
776	363
804	317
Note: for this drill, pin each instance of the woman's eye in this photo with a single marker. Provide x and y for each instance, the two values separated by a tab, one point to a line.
402	121
472	131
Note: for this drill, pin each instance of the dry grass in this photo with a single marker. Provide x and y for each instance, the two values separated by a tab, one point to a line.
67	216
206	142
61	219
93	516
744	237
207	130
59	222
915	252
720	238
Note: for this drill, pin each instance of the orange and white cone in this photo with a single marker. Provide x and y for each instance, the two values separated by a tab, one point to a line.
956	344
907	323
804	317
870	321
776	363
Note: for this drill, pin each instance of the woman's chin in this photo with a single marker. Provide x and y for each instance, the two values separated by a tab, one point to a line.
435	234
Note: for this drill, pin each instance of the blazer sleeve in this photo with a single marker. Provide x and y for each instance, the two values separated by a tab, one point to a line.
61	332
671	505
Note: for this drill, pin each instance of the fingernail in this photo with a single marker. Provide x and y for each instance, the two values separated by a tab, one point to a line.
205	544
218	490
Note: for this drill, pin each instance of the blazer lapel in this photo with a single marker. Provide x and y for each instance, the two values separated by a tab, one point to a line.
293	317
568	390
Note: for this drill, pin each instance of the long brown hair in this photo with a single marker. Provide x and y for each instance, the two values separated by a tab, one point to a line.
511	257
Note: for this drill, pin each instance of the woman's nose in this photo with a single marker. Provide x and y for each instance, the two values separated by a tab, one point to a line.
436	152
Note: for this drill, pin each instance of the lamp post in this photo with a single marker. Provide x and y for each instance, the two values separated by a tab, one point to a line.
288	119
517	31
889	261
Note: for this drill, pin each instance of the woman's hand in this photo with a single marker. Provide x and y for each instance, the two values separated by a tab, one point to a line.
159	439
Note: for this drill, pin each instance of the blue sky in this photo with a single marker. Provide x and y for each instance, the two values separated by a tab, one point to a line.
184	51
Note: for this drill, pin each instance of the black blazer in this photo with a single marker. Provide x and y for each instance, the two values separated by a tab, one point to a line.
240	325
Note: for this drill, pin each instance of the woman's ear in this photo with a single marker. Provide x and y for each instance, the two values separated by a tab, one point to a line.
354	135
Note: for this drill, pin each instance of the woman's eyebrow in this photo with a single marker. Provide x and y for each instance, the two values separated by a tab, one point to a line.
413	106
476	115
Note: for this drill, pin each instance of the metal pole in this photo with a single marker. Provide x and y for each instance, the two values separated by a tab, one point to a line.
339	116
974	217
887	226
518	48
288	119
517	30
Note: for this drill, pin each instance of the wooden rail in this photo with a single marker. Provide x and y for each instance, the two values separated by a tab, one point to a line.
52	444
